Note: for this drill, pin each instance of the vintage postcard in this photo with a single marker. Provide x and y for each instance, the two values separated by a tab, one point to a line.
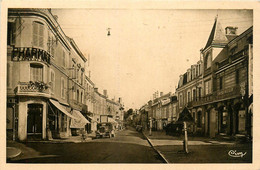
134	84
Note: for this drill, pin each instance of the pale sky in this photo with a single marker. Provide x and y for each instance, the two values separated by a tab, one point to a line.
147	49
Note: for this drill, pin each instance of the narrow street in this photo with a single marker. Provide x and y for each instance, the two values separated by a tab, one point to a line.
128	146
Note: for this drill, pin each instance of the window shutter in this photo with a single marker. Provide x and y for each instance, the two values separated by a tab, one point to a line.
41	30
35	34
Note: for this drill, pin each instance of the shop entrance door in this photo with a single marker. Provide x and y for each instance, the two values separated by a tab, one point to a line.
34	121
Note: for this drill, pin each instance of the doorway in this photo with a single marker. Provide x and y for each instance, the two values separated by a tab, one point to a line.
34	121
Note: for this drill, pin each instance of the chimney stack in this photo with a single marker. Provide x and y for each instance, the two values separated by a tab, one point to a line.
231	32
161	94
105	93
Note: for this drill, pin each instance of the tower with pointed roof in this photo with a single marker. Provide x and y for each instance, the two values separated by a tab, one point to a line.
216	42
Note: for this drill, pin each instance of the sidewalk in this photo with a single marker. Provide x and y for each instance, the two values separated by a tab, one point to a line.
16	150
201	149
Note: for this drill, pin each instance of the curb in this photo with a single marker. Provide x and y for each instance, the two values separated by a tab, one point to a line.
159	153
16	153
55	141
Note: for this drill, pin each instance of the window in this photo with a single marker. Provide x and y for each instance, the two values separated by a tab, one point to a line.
194	94
36	72
11	33
188	96
77	74
199	92
74	93
62	88
81	81
38	34
237	76
221	83
52	80
63	59
199	119
207	87
207	60
181	100
77	95
81	97
193	73
9	75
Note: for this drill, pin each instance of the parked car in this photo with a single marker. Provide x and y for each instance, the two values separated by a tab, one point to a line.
139	128
105	130
174	129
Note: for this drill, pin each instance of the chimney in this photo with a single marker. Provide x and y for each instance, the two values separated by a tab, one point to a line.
231	32
105	93
161	94
119	100
201	54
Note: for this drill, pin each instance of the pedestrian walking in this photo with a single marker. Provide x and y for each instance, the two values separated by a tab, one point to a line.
83	136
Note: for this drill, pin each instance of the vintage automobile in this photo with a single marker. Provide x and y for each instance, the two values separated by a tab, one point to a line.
174	129
105	130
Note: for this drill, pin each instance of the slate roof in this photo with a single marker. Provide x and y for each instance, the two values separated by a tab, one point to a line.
217	35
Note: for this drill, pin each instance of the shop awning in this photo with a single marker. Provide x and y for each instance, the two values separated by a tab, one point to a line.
91	118
80	122
62	109
81	116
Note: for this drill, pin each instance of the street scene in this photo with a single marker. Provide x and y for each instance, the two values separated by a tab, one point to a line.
145	86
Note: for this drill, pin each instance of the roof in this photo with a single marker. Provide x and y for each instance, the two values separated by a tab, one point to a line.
217	35
76	48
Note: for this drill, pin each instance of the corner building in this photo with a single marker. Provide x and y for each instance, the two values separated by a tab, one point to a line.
40	82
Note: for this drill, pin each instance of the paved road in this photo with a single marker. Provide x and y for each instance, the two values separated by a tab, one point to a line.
127	147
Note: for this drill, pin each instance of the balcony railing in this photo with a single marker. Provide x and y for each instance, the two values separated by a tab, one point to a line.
32	88
217	96
30	54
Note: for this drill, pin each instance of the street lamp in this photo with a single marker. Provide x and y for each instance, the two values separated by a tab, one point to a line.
108	31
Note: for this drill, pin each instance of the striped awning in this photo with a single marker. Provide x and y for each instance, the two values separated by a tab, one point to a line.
80	122
61	108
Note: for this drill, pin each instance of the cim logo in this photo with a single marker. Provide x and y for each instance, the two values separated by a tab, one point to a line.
235	154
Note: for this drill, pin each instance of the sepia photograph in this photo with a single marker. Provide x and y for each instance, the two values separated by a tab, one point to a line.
128	85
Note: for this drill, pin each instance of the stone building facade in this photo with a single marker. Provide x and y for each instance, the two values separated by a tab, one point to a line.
218	96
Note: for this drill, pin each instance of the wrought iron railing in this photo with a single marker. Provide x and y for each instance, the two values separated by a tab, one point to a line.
216	96
32	87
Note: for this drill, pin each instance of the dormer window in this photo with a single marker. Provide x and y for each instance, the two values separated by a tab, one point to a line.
207	61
